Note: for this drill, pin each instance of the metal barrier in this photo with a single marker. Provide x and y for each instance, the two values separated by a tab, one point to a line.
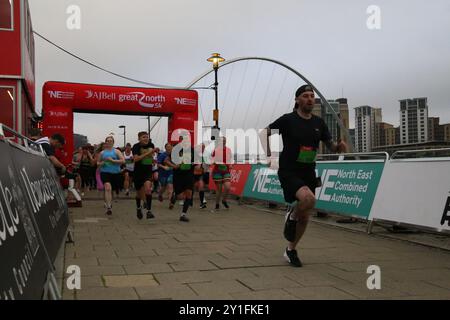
430	154
414	190
370	163
375	156
26	144
411	188
349	183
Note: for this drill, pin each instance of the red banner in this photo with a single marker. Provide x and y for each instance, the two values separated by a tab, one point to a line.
239	175
61	99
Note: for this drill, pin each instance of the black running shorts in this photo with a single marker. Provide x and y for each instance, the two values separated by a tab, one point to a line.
206	178
141	177
111	178
198	177
130	173
182	181
292	180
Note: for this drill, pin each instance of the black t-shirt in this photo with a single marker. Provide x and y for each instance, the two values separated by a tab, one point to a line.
146	163
48	149
45	143
187	162
301	138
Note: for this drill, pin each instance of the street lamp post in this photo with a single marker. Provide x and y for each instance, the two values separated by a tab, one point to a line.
148	123
216	59
124	135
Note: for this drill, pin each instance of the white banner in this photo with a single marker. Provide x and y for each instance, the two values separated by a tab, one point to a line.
416	192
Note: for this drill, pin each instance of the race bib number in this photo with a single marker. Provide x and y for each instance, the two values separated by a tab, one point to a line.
108	163
147	161
222	167
185	166
306	155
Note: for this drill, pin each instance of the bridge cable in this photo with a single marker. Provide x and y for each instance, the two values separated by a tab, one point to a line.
279	96
265	95
252	95
109	71
240	91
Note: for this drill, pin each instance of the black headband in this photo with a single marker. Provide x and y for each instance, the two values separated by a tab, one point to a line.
303	89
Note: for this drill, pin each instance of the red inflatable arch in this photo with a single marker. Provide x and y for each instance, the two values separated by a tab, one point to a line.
61	99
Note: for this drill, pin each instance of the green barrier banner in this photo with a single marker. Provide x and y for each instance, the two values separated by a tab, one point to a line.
348	188
263	184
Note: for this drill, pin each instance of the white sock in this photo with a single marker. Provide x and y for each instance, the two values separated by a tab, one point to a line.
291	215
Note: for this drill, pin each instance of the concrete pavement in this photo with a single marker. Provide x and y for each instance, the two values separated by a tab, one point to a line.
238	254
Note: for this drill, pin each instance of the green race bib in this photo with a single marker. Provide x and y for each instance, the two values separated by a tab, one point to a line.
185	166
186	162
306	155
222	167
108	164
147	161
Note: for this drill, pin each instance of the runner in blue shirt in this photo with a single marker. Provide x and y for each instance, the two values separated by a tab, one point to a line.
110	160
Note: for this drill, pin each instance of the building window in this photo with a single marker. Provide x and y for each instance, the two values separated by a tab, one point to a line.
422	103
6	14
29	39
7	99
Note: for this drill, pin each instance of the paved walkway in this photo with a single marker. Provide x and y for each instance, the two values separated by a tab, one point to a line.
237	254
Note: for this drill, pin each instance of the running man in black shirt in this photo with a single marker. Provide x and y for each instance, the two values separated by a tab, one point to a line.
301	132
182	162
199	172
143	163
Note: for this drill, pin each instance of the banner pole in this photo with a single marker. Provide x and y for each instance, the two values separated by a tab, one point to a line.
53	286
370	227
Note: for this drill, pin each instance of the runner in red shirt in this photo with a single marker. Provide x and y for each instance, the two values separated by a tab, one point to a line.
221	159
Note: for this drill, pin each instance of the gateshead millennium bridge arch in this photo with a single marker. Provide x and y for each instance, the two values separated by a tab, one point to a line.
324	101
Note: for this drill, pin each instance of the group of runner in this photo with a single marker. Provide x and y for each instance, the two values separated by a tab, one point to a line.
178	172
301	132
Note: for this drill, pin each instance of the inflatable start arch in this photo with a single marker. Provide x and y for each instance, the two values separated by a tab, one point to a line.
61	99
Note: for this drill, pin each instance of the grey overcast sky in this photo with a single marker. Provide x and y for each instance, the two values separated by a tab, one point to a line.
167	42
